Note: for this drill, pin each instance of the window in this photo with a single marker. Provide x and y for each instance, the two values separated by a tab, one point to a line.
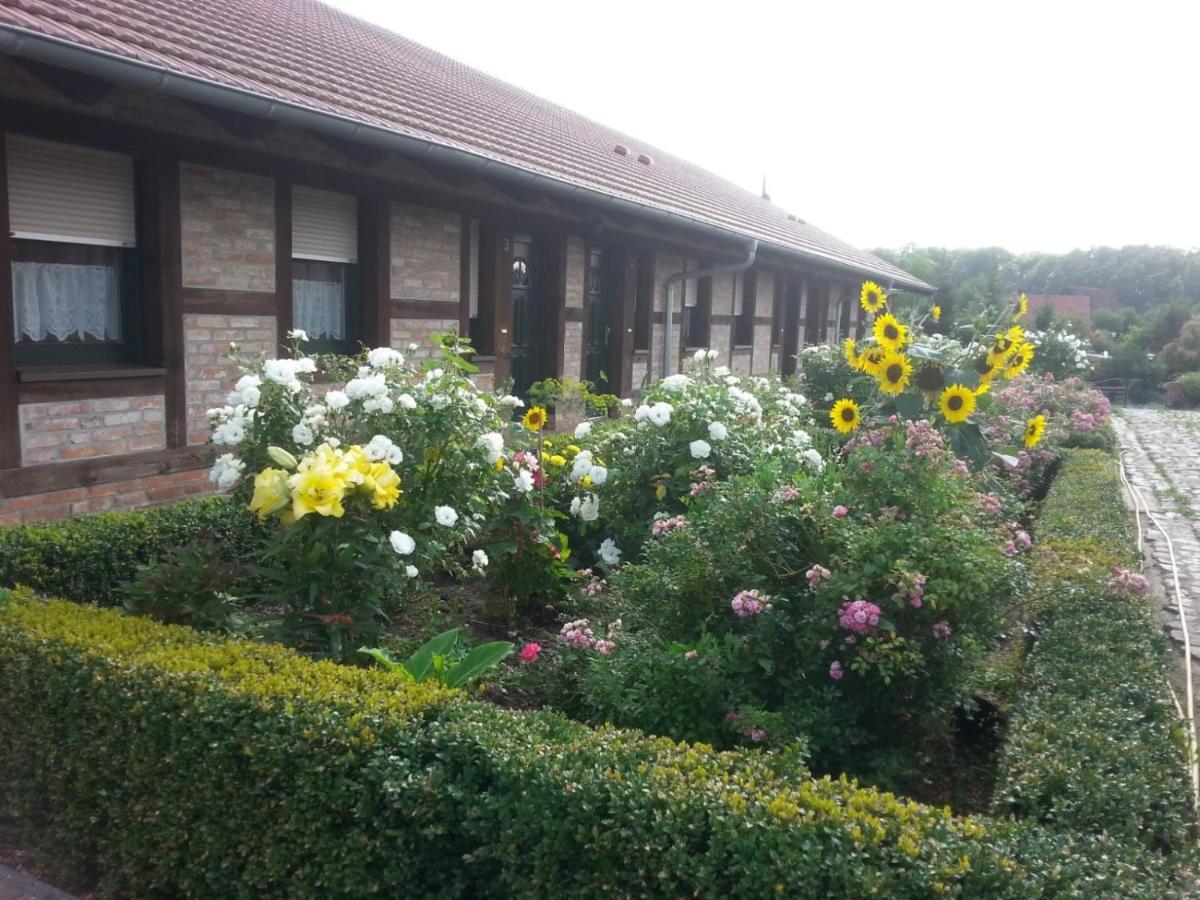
697	301
643	304
745	287
481	338
325	297
74	253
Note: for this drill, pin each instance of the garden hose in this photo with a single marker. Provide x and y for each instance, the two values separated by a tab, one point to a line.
1139	506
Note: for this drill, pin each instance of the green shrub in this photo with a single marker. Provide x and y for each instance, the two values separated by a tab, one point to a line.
1191	389
89	558
183	766
1095	744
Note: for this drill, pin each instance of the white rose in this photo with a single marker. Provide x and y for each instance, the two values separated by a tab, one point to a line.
410	571
297	334
384	357
700	449
524	481
599	475
610	553
381	447
589	508
226	471
406	401
445	515
676	382
582	465
337	400
479	559
717	431
302	435
493	445
813	459
402	543
582	430
660	414
700	356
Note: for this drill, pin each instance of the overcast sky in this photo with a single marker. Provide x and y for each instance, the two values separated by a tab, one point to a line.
1030	125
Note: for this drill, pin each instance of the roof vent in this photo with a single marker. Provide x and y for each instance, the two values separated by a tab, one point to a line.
645	160
621	150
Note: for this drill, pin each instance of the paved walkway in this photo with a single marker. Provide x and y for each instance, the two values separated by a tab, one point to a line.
16	886
1162	459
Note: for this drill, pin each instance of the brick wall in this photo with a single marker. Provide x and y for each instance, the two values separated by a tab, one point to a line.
101	497
720	334
417	331
425	253
62	431
228	226
764	309
210	376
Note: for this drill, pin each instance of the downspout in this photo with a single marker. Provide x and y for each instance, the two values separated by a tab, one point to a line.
685	274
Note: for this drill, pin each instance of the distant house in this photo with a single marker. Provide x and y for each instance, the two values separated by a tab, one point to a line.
1078	305
179	174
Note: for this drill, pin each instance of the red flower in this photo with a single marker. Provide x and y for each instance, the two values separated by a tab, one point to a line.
529	653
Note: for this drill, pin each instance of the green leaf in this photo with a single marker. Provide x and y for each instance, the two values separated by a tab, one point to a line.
909	405
968	378
422	661
384	660
916	351
477	662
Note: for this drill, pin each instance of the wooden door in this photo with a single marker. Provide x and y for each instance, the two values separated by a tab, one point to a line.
597	311
528	313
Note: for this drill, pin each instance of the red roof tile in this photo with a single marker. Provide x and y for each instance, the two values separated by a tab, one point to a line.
304	53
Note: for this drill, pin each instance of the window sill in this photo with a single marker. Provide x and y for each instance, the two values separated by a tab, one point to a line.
37	374
737	347
642	352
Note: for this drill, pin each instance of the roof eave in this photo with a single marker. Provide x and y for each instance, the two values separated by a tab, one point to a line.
23	42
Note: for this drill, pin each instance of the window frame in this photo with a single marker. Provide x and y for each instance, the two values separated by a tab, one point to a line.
357	335
697	317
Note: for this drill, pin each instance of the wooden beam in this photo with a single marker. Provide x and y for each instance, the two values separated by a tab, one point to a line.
464	275
41	479
283	259
240	125
10	431
219	302
92	388
375	268
160	242
86	90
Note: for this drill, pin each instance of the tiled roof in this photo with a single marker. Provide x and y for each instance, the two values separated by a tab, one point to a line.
305	53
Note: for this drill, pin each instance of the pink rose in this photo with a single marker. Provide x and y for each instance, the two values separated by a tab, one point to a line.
840	512
529	653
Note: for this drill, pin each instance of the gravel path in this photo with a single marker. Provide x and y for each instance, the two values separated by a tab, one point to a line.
1161	452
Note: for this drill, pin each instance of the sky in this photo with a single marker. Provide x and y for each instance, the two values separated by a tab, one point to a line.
1043	126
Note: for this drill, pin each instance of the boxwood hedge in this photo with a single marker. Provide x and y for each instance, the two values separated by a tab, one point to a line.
87	558
174	764
1095	744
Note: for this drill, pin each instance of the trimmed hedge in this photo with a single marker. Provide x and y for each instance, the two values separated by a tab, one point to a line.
1095	744
175	764
88	558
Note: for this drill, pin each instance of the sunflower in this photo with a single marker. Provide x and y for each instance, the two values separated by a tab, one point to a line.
988	367
845	415
849	347
936	312
894	372
535	419
1034	429
889	333
1005	343
956	403
869	360
1022	308
1019	359
931	377
873	298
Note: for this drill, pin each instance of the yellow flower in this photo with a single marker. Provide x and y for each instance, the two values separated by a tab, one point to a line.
873	298
937	313
500	464
660	490
1022	307
869	360
956	403
383	484
848	350
1019	359
270	492
894	373
557	460
889	333
317	487
1034	429
845	415
573	449
545	457
987	369
586	481
535	419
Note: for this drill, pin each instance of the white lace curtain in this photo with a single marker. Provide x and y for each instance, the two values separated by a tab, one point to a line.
319	308
66	301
